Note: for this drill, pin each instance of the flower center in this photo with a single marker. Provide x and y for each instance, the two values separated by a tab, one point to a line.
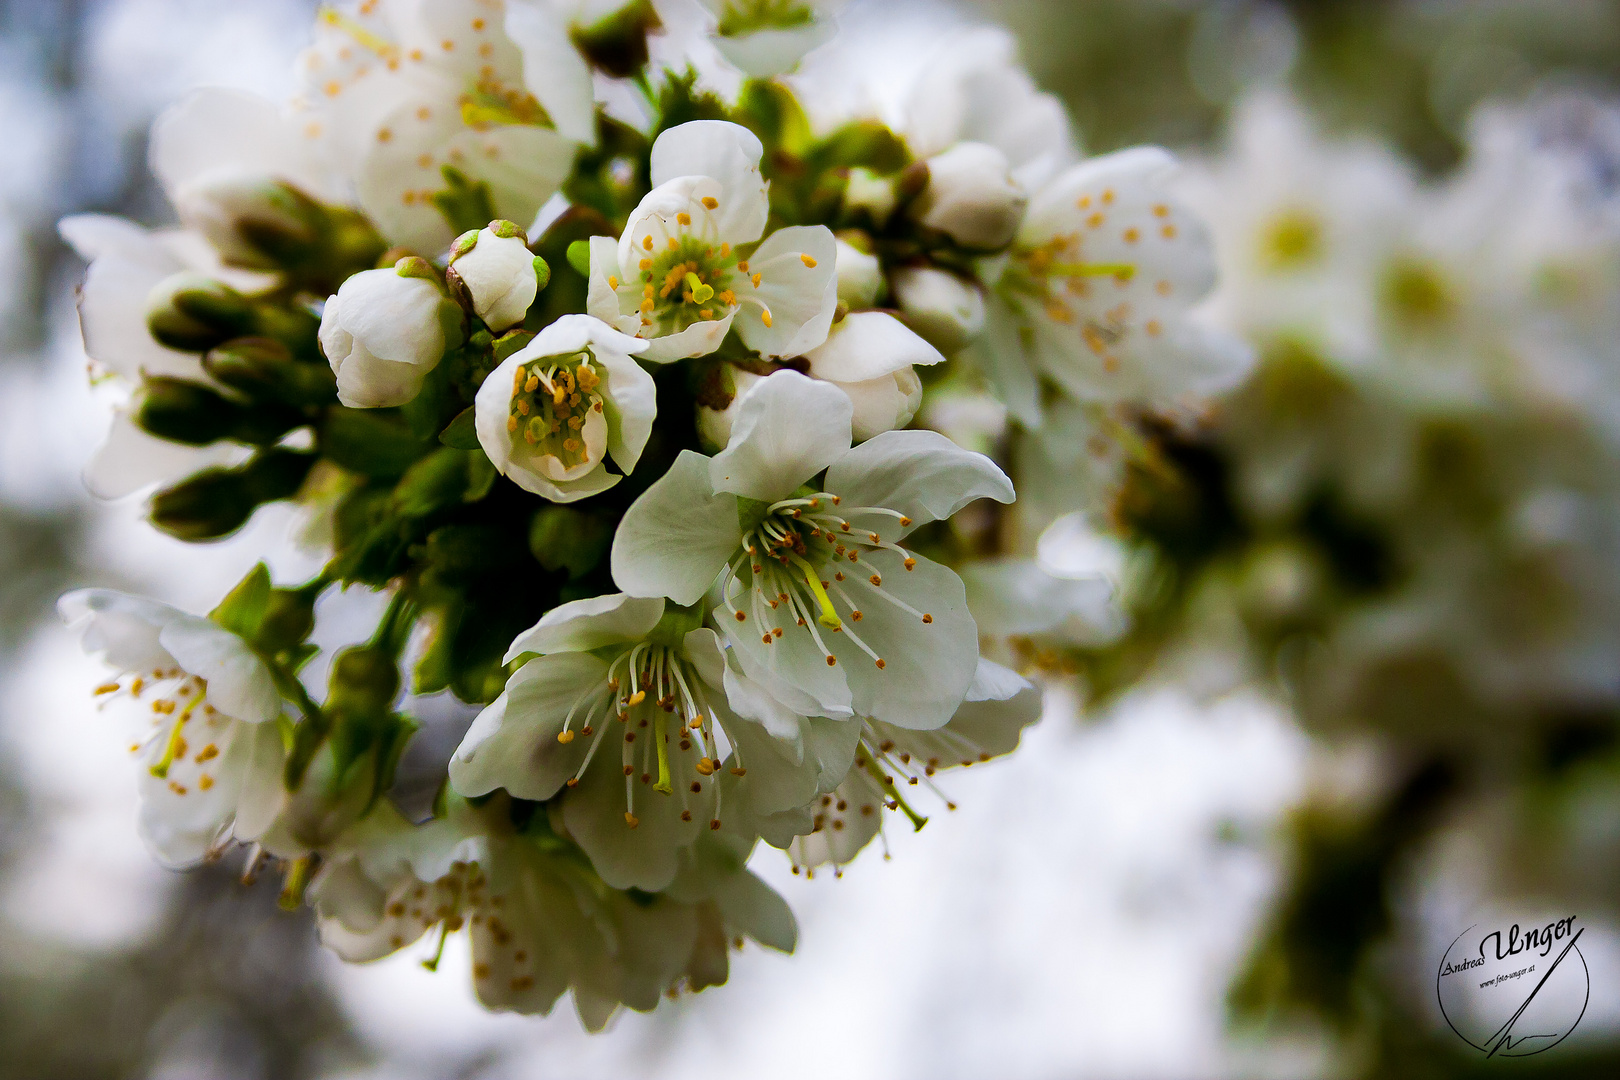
553	398
792	568
670	742
688	281
492	102
178	704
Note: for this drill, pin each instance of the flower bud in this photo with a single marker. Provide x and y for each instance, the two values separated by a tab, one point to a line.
216	502
498	273
252	220
717	406
971	197
616	44
946	310
190	413
192	312
869	192
264	368
382	333
872	358
860	277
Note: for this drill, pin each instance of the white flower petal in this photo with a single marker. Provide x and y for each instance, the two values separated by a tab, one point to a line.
239	684
1011	596
395	318
553	70
584	625
791	669
764	53
928	665
798	284
922	474
788	428
215	129
729	153
866	345
631	403
677	536
130	459
648	855
517	749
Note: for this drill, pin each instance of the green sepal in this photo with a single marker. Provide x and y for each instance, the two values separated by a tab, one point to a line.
243	609
675	624
750	512
563	538
443	478
509	343
462	432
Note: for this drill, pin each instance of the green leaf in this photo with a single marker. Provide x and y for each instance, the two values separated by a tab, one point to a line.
243	609
465	204
462	432
370	441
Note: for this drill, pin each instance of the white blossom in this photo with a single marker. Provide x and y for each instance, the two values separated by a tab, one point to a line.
219	155
400	90
497	268
1095	293
939	305
553	412
127	263
860	276
890	761
208	745
382	333
971	196
835	617
650	683
676	277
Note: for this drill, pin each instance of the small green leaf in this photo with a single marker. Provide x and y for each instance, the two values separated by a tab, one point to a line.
243	609
462	432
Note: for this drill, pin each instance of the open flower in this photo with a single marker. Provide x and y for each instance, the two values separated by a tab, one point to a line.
821	604
554	411
401	92
999	704
675	276
643	678
210	752
383	332
1101	275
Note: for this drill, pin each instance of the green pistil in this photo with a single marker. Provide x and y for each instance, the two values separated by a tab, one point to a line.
828	617
661	741
883	781
551	401
172	750
685	280
1123	271
701	293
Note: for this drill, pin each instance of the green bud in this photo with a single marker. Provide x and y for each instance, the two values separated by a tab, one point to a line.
542	273
190	413
216	502
443	478
289	616
264	368
242	611
579	257
563	538
617	44
192	312
363	683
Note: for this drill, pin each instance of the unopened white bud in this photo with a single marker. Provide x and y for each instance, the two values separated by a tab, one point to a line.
496	267
943	308
714	425
971	197
860	277
382	333
872	358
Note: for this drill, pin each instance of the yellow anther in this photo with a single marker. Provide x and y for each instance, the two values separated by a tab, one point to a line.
765	317
711	203
565	737
683	218
631	819
705	767
756	279
638	697
807	260
613	282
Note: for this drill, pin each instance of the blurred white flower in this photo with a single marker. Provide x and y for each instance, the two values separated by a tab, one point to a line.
971	197
399	92
209	748
768	37
945	309
675	278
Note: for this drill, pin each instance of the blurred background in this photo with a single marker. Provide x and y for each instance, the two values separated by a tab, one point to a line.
1089	909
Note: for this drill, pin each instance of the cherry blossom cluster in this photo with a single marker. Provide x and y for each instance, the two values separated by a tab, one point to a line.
646	396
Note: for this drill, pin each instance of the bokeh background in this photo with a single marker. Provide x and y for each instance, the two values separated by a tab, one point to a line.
1083	914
